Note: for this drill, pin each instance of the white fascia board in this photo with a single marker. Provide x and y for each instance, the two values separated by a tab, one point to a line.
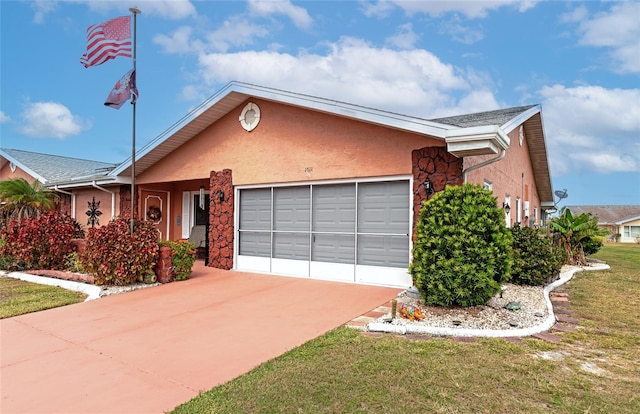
547	204
489	139
24	168
513	123
90	182
626	220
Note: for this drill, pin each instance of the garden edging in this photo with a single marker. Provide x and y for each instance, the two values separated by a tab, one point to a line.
92	291
547	324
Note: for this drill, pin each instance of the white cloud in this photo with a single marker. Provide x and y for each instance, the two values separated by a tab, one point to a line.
236	31
4	117
404	39
297	14
469	9
168	9
619	30
179	41
50	120
413	82
592	128
42	8
461	31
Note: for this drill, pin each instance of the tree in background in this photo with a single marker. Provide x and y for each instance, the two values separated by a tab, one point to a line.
575	231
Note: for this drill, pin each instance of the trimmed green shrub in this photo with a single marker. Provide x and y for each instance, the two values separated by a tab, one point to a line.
462	248
39	242
114	256
536	260
183	258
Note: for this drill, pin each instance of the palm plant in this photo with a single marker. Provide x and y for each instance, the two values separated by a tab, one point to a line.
573	230
21	200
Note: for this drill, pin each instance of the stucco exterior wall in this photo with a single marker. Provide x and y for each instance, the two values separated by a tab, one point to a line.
511	176
83	197
290	144
6	173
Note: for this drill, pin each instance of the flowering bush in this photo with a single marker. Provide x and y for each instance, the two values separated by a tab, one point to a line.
115	256
40	242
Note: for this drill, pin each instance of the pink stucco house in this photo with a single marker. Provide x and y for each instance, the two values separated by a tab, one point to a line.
292	184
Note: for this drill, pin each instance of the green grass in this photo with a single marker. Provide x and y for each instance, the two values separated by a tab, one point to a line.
595	369
18	297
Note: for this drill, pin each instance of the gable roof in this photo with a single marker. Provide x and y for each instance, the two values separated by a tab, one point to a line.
617	214
51	169
498	117
495	124
235	93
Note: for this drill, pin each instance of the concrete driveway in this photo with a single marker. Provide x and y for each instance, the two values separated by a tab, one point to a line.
150	350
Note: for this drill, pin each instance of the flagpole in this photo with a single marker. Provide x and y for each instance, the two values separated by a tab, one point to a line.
135	12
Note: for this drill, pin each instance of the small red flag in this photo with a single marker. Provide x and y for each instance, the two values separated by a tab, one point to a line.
124	89
108	40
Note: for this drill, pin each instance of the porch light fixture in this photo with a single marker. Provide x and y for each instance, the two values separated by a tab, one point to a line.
428	186
506	207
202	197
220	195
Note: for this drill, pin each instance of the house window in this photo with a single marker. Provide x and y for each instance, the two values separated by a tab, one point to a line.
631	231
488	185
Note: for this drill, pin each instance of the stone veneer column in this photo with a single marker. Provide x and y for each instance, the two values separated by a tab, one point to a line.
221	220
440	167
125	201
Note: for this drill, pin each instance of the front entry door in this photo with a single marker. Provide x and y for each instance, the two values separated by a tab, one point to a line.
156	210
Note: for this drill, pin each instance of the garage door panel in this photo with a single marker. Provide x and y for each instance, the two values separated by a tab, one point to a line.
291	246
291	208
255	244
389	251
255	209
334	207
334	248
383	207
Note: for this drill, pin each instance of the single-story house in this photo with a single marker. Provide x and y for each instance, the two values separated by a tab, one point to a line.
299	185
618	219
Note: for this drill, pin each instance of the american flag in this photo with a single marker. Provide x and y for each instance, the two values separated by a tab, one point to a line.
108	40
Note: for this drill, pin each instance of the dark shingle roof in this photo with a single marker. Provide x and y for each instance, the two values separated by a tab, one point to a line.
608	214
499	117
55	168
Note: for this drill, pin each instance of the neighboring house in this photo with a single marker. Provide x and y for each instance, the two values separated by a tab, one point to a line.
298	185
77	181
622	220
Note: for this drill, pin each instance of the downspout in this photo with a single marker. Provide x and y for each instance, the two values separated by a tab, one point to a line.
113	198
73	199
482	164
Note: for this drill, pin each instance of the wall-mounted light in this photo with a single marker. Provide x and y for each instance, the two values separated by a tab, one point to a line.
220	195
506	207
428	186
202	197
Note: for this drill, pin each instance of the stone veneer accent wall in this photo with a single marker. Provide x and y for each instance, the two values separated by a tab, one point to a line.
440	167
125	201
221	220
64	203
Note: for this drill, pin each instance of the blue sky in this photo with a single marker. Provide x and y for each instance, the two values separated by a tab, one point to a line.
579	60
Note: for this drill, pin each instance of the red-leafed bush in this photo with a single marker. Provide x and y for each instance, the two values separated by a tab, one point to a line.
39	242
114	256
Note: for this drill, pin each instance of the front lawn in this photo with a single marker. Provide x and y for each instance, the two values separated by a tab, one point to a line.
18	297
595	369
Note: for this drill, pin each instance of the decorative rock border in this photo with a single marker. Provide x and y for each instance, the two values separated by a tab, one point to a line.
547	324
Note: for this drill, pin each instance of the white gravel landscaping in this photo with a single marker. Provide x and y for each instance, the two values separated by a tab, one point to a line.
492	320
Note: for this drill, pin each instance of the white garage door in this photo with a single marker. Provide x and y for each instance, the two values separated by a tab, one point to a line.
355	232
